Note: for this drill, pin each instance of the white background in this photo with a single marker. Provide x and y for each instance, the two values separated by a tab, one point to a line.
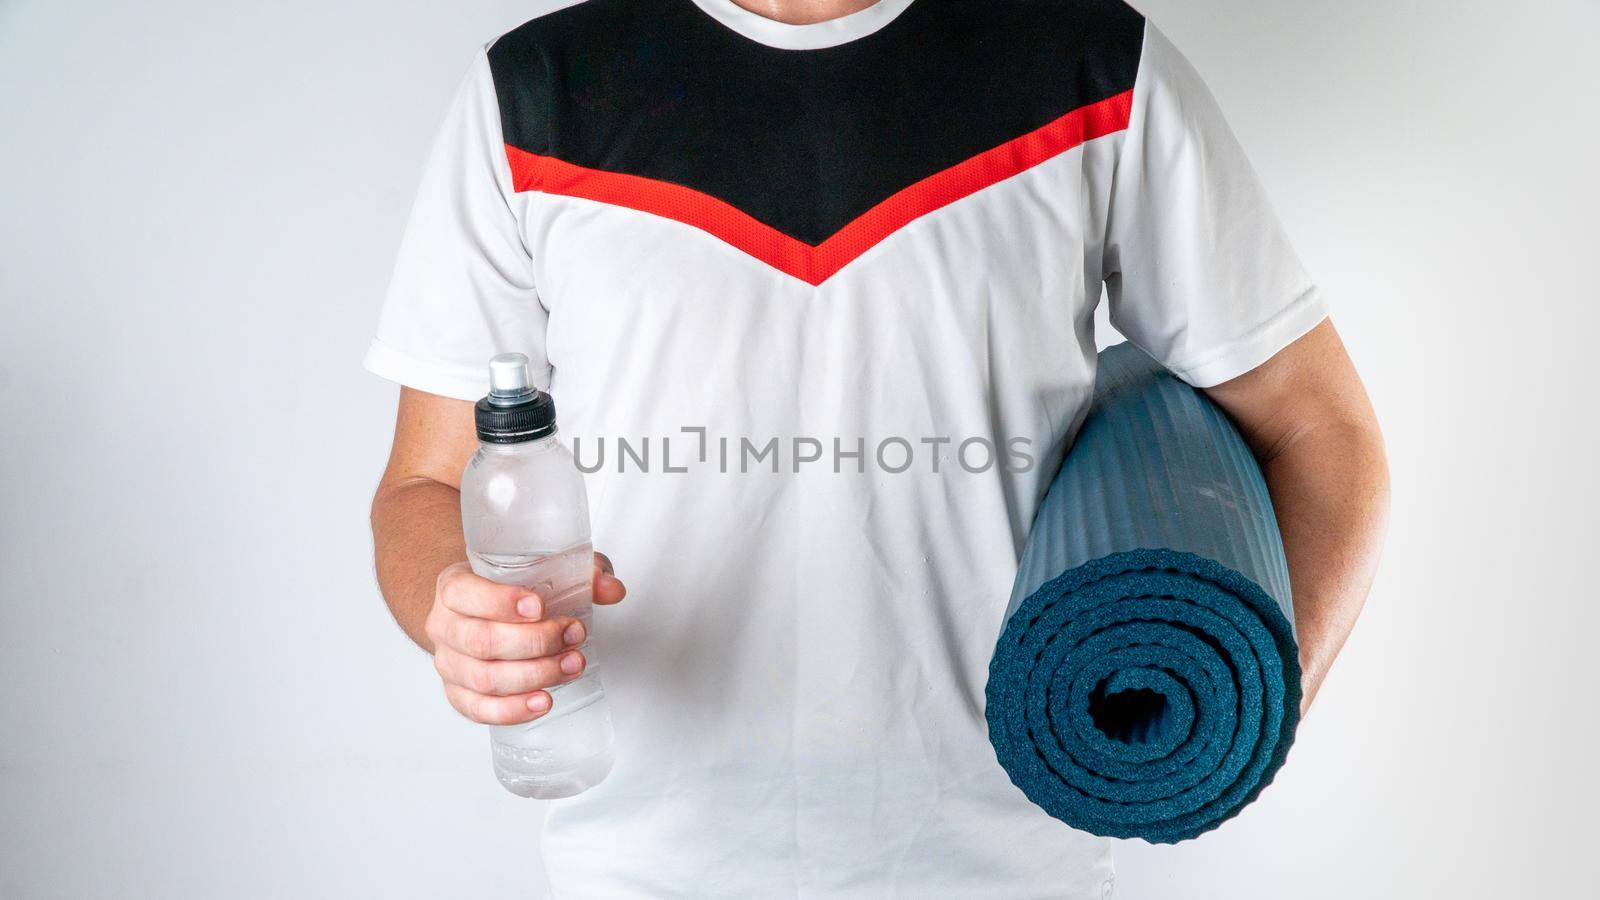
202	695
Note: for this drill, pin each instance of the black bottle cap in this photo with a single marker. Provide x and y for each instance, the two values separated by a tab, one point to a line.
515	411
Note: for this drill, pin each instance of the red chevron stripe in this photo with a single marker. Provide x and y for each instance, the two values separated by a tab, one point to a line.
814	264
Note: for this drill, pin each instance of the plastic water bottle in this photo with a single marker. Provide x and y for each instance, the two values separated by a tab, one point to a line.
526	518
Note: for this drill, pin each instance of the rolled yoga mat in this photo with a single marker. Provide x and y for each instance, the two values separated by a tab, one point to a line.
1146	683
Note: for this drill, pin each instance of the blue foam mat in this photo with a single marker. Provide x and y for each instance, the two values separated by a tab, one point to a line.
1147	683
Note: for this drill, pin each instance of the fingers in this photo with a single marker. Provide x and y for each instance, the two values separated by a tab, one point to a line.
471	595
490	710
496	653
607	588
503	692
486	640
507	678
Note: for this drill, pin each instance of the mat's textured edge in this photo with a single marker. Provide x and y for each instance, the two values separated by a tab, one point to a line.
1003	715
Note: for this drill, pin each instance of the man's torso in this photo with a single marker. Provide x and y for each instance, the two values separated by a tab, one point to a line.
893	239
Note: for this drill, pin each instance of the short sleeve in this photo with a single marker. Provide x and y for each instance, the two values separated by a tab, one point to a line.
462	288
1198	270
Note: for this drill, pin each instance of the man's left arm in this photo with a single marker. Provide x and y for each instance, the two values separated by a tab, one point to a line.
1307	418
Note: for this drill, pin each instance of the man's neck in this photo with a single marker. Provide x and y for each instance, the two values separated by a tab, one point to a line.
803	12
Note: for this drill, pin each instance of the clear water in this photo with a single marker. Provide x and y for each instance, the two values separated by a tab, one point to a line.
568	749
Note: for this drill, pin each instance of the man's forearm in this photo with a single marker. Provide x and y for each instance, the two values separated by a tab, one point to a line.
1309	423
416	533
1330	487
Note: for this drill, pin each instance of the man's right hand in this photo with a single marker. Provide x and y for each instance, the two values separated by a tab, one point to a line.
492	645
496	651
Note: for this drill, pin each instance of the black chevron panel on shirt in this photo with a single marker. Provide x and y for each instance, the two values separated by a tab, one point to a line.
805	143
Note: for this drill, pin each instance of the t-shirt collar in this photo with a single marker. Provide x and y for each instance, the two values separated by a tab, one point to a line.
816	36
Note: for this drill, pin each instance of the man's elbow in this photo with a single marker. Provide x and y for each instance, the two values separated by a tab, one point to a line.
393	493
1347	448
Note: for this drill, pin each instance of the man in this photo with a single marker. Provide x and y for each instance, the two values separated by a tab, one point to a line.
823	227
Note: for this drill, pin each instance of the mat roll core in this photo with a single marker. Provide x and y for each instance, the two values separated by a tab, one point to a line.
1146	683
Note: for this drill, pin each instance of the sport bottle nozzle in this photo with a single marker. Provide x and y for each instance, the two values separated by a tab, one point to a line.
509	380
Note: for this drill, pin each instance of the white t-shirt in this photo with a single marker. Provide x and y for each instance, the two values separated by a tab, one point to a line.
729	243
